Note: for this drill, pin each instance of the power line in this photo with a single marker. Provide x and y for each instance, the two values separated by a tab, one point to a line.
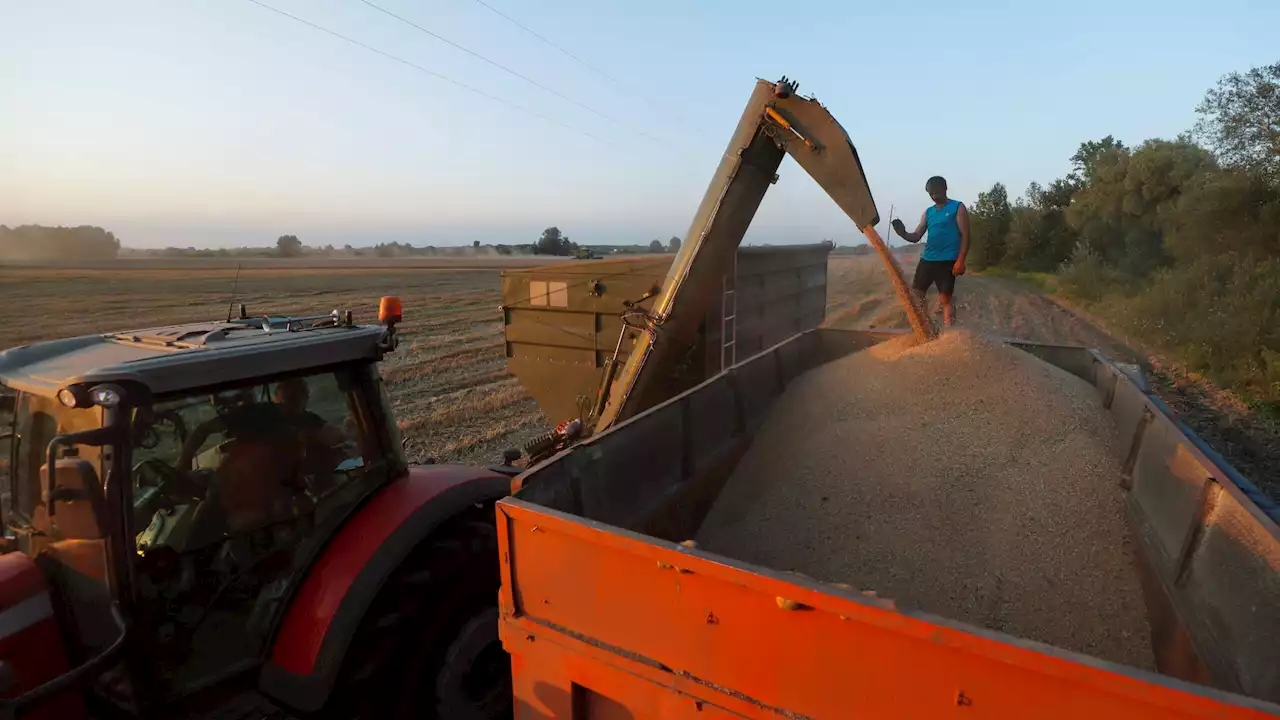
432	73
575	58
568	54
508	70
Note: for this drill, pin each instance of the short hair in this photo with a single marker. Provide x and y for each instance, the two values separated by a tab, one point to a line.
292	387
937	181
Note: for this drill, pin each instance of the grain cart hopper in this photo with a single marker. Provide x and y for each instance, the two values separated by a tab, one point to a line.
607	611
564	339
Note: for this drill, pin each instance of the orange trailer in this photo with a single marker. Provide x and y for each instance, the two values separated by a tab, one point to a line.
606	615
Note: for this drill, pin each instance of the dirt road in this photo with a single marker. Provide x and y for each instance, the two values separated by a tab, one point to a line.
860	296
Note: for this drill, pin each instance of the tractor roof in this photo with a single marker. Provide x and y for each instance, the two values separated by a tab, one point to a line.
179	357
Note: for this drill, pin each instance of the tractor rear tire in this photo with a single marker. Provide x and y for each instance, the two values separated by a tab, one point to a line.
428	647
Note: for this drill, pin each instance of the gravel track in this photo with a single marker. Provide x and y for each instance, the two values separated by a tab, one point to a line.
861	296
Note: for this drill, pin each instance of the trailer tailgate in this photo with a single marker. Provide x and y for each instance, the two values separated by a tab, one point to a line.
603	622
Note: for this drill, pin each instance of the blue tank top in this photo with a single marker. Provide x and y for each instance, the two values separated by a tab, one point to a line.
944	232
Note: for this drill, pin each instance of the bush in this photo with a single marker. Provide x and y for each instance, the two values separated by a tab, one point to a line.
1086	276
1221	316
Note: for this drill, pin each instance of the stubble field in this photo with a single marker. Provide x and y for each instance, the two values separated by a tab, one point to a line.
453	396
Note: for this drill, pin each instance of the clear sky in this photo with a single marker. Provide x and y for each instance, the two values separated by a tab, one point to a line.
218	122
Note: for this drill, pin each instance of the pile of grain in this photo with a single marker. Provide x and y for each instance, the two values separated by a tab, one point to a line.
962	477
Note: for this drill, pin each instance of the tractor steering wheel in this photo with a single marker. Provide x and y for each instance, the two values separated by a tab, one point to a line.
152	479
146	422
166	479
154	472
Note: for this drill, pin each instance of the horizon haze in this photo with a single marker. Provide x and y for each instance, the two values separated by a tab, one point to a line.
218	124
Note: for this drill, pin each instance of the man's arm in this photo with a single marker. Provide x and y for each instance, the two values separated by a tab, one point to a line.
332	436
326	434
962	220
911	237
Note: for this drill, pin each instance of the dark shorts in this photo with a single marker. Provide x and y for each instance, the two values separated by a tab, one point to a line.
934	272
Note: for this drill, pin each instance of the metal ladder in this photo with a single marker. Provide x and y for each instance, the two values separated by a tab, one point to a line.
728	321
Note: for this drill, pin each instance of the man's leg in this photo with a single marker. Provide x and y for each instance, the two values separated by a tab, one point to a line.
948	311
946	290
920	284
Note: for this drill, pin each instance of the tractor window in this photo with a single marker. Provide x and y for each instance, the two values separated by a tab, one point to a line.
31	422
217	465
228	486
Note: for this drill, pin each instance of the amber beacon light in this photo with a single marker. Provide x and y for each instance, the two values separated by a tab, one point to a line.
390	311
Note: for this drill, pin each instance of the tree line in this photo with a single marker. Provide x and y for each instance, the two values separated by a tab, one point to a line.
42	243
554	242
39	243
1176	240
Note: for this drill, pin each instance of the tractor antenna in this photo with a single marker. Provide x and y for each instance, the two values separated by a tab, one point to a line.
235	284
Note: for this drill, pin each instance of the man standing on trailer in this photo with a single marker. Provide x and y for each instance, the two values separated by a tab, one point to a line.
947	222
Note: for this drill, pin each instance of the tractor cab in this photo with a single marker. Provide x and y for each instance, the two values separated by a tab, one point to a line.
175	482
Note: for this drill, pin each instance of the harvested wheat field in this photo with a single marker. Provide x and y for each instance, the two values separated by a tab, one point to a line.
453	397
961	477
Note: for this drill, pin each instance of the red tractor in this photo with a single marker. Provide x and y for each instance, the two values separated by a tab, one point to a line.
225	507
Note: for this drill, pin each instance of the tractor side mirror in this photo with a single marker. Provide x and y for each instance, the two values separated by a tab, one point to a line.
96	437
77	490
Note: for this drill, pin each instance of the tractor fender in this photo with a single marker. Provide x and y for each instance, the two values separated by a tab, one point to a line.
31	642
341	584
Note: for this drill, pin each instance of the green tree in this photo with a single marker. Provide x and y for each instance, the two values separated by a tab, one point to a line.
655	246
553	242
475	244
674	244
1123	212
1221	211
1240	120
1040	239
989	222
1086	159
288	246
